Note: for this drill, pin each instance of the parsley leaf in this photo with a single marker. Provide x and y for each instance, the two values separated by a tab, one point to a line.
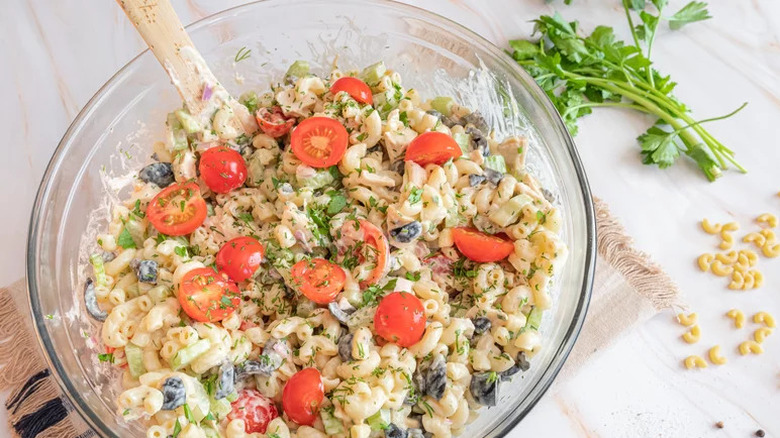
176	429
106	357
125	239
690	13
181	251
336	204
412	276
658	147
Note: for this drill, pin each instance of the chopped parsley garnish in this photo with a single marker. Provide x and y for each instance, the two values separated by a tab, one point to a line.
336	204
181	251
404	118
125	239
373	293
137	212
242	54
415	195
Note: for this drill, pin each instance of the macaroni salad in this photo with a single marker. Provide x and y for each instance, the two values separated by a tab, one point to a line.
368	263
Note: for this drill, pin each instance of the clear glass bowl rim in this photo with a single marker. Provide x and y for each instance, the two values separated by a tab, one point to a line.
563	349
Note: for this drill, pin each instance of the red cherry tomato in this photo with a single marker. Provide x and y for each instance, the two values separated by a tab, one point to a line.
273	122
208	296
177	210
319	279
319	141
240	258
255	409
432	147
222	169
355	88
366	242
481	247
302	396
400	318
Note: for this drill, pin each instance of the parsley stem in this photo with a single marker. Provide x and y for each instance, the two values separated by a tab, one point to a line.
607	104
630	23
649	103
688	138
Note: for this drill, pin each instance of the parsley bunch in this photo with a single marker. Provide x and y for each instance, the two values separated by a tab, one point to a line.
580	73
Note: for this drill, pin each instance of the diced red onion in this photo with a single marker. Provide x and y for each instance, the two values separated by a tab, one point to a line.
207	92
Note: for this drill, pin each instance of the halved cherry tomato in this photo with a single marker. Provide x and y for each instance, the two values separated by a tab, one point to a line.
400	318
208	296
319	141
222	169
177	210
319	279
302	396
481	247
239	258
366	242
255	409
432	147
273	122
354	87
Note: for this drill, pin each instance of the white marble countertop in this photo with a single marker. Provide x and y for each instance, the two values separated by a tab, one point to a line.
55	55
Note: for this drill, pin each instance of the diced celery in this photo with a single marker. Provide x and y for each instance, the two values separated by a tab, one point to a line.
320	179
256	169
464	141
333	425
178	136
386	102
534	318
380	420
495	162
137	230
190	353
209	432
443	104
135	360
298	69
305	307
373	73
453	218
198	401
233	396
99	270
220	407
190	125
363	316
510	211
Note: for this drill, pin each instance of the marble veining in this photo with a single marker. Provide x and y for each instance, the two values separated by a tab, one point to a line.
55	55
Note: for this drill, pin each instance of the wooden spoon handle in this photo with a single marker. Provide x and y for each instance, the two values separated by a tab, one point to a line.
202	94
160	27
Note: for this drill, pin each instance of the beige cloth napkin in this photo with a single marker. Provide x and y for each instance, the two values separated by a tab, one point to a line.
628	289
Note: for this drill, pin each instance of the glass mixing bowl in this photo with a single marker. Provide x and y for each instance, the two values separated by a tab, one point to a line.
113	135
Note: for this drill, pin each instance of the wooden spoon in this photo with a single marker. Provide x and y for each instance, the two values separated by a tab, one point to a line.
200	90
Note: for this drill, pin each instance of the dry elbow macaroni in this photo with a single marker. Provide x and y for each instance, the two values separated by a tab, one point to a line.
740	265
482	318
